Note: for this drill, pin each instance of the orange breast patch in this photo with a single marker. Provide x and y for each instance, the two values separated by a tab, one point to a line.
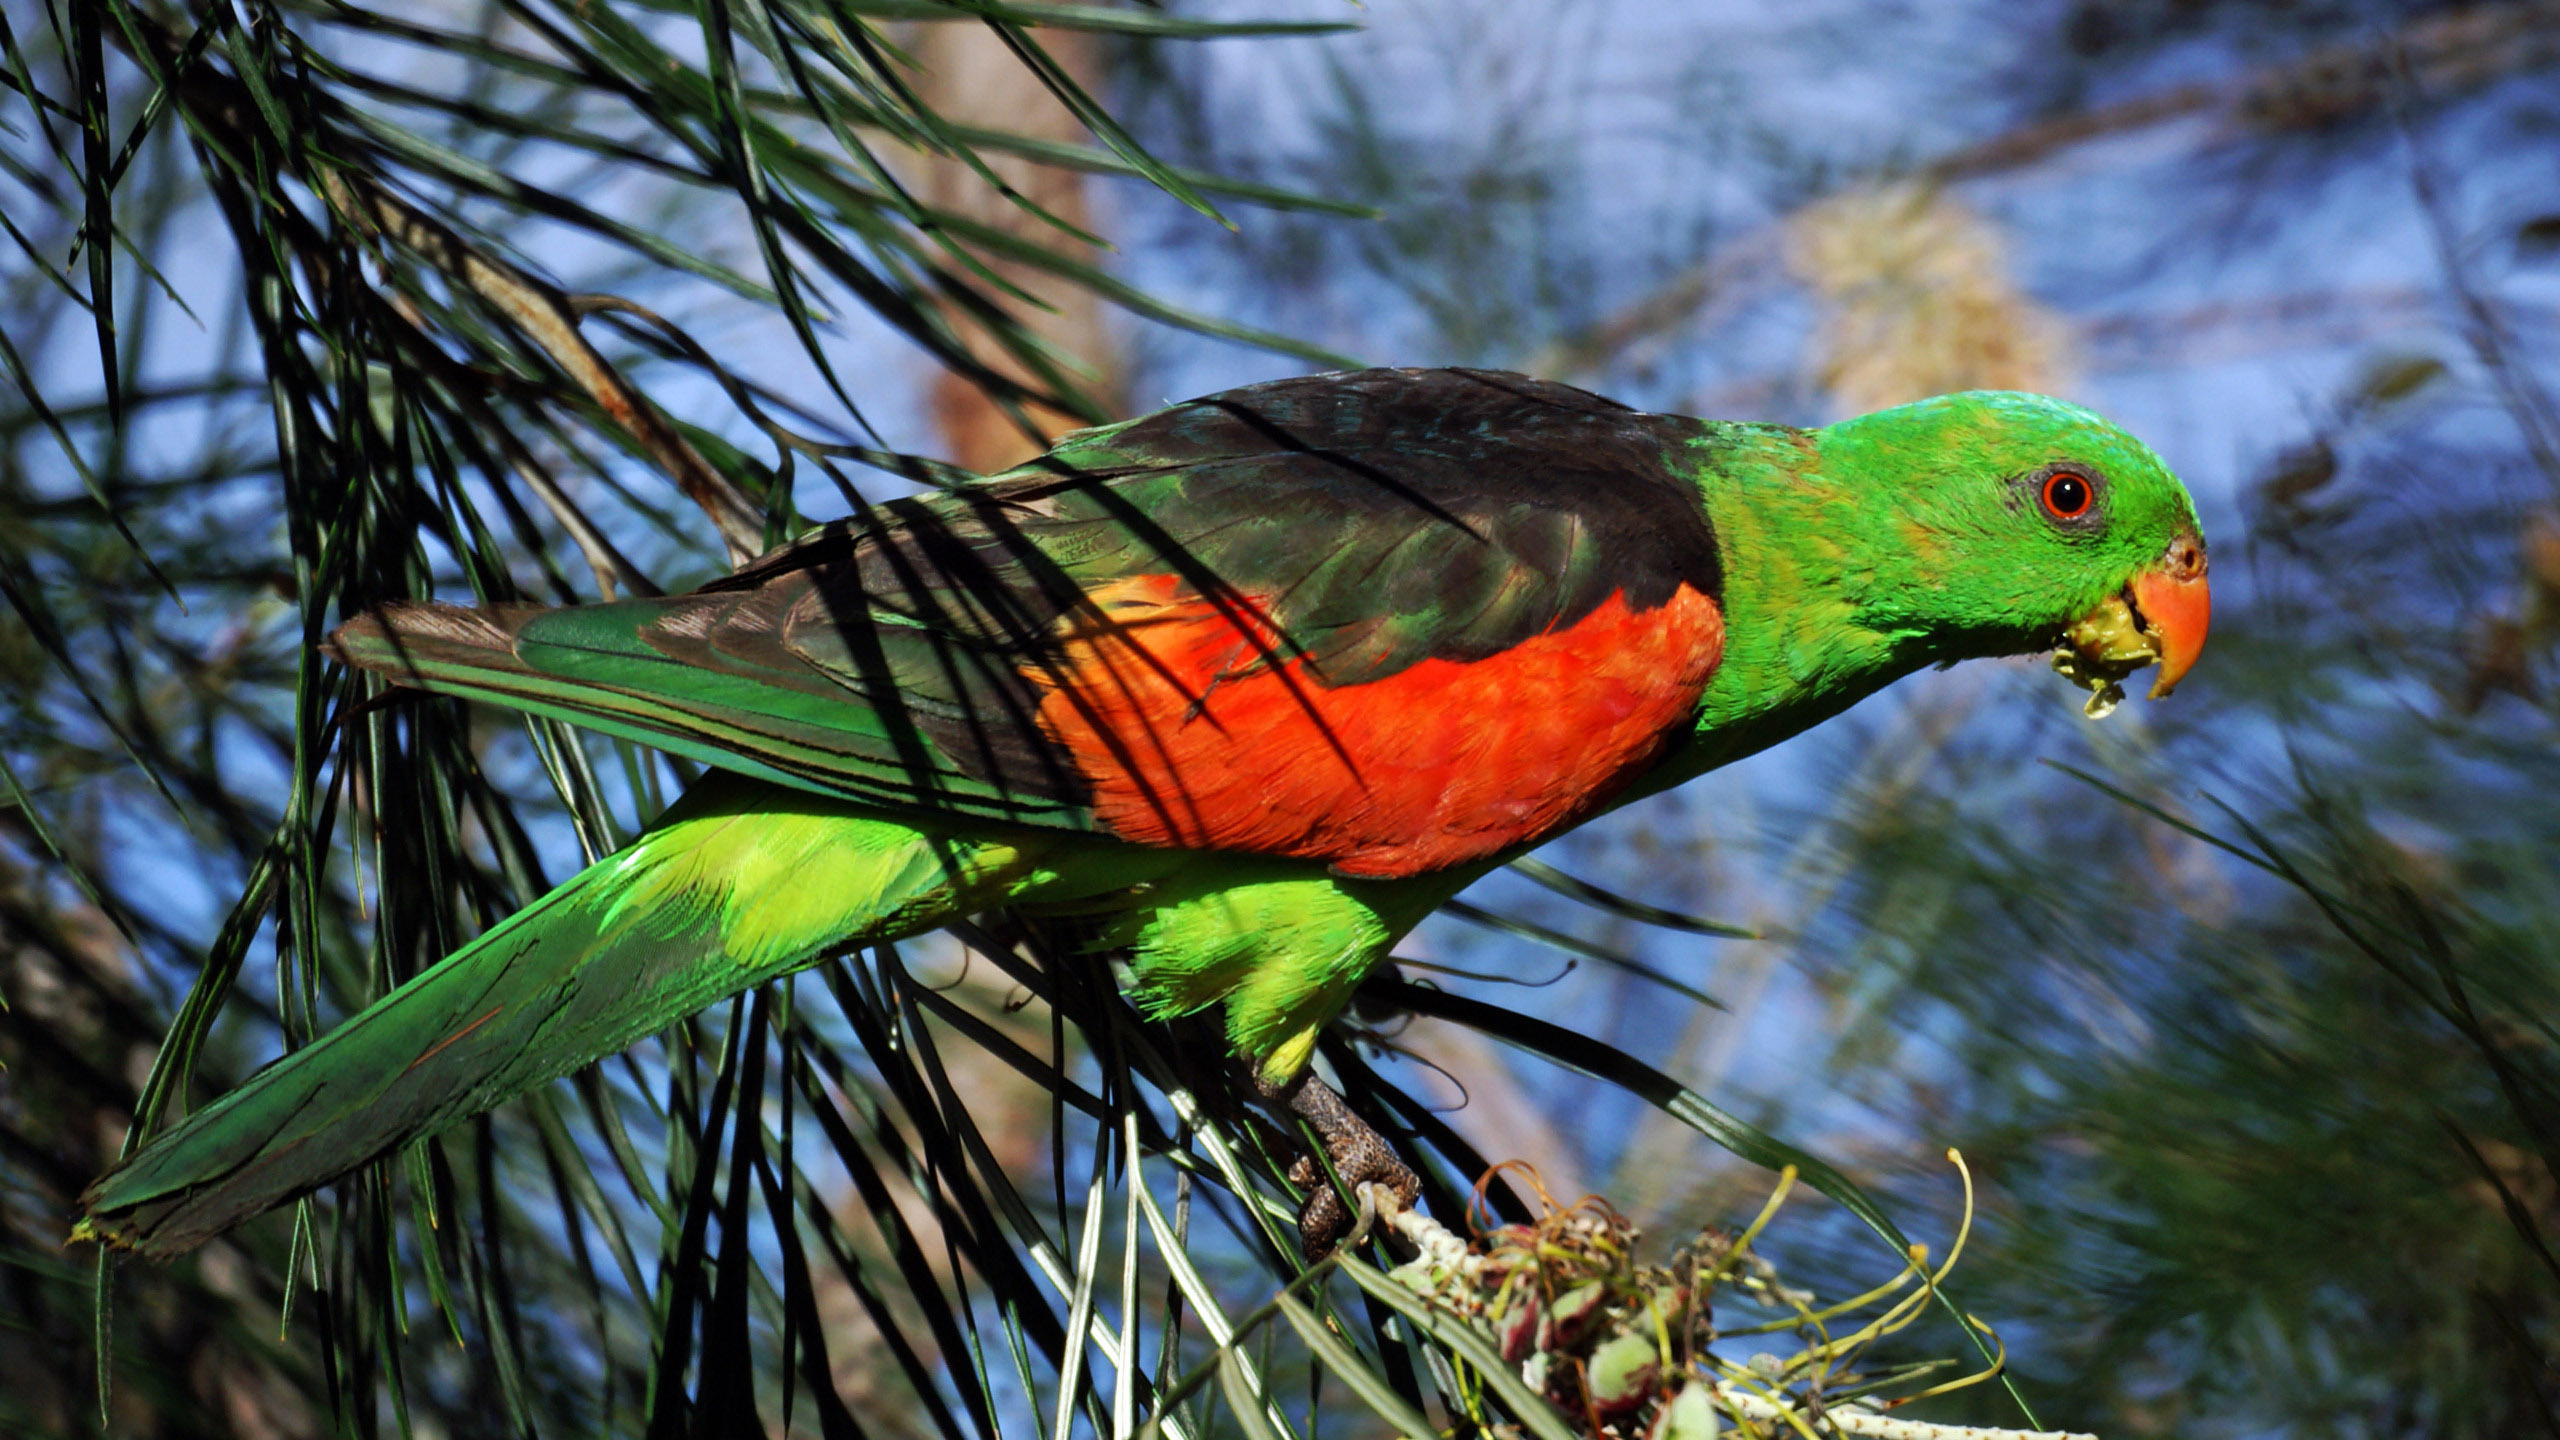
1193	729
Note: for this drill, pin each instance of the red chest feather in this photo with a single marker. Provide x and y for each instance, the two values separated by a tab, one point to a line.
1190	736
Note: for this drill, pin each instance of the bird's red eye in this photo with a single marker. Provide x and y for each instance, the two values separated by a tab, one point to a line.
2066	495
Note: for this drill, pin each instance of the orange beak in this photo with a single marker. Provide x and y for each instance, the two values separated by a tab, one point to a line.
2177	608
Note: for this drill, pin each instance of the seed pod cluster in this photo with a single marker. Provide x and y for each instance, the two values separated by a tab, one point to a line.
1609	1340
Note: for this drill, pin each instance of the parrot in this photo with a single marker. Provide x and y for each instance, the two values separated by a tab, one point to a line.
1248	686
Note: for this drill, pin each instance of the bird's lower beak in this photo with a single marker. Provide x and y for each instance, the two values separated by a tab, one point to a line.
2160	618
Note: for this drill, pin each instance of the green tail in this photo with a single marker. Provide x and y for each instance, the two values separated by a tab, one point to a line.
740	883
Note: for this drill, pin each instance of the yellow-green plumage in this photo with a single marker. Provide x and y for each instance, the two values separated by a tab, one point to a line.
1209	934
740	882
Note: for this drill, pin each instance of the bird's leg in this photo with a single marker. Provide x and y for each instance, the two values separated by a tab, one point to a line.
1359	1155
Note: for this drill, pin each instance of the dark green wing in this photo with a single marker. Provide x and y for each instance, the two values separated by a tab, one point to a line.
1359	522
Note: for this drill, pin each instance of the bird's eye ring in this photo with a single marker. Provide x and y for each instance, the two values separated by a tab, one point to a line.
2067	495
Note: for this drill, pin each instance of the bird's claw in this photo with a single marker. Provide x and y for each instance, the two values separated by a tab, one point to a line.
1355	1155
1325	1223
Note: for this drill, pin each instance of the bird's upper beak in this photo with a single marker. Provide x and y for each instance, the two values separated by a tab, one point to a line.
2174	605
2159	618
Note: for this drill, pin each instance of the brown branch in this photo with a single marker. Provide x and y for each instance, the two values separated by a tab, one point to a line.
1699	292
545	316
2457	50
2461	49
614	571
2228	329
539	311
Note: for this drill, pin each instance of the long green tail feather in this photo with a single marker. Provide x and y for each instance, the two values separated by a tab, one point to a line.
740	883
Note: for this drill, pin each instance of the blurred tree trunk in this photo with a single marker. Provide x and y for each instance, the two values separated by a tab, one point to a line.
970	77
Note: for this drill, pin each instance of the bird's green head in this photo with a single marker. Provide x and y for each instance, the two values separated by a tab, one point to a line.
2014	522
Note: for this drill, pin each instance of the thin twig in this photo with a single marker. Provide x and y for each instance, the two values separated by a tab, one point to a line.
1856	1420
546	316
2536	415
542	312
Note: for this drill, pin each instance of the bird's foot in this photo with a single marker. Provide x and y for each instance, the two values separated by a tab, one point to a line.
1357	1154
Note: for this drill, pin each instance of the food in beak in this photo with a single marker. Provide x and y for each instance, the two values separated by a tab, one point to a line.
2160	618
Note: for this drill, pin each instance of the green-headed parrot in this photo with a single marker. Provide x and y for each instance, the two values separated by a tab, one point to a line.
1251	685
